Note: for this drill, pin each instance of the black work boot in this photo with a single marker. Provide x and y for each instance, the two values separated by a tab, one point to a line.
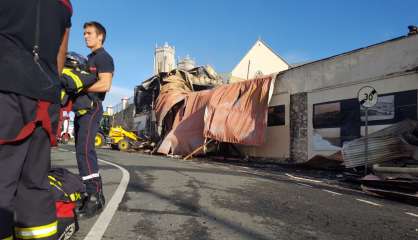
91	205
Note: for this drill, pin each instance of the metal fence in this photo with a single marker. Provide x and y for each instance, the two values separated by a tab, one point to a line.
119	107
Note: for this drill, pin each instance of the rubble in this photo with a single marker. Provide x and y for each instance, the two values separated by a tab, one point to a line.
189	113
397	188
392	158
333	162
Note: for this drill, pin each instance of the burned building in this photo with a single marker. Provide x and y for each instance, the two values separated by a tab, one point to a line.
314	109
181	81
294	115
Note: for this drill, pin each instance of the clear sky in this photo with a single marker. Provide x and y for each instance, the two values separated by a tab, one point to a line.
220	32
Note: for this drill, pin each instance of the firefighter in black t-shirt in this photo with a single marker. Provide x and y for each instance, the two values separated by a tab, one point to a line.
89	112
33	43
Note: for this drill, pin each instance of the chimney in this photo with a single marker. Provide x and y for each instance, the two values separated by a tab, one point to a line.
109	110
124	103
413	30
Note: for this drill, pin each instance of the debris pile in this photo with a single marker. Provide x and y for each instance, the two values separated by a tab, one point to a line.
393	159
394	142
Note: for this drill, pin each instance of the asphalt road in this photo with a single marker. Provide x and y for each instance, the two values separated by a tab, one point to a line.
174	199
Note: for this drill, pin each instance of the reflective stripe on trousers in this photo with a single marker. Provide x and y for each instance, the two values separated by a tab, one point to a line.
91	176
37	232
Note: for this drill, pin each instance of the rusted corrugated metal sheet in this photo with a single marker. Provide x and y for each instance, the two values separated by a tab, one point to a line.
174	89
165	102
187	132
237	113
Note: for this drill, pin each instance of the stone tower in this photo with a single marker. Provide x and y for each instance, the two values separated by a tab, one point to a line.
164	59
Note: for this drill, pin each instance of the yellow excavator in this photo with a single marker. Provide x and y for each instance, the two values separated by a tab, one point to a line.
117	136
122	139
103	133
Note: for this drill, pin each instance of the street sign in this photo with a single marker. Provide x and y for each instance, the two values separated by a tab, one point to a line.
367	96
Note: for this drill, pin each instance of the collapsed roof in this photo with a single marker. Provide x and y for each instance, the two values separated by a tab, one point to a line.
188	111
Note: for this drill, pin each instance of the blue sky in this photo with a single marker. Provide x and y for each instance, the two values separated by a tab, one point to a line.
220	32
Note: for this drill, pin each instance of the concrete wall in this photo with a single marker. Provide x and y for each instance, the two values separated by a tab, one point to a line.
361	66
260	59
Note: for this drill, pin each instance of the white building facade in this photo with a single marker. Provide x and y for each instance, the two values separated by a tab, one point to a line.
260	61
314	108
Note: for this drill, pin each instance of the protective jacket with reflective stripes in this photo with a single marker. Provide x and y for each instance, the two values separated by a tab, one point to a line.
73	81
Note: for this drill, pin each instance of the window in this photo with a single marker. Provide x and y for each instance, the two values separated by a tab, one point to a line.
406	105
348	116
276	116
383	110
392	108
327	115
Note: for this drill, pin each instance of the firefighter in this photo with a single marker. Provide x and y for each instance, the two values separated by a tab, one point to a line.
33	42
89	112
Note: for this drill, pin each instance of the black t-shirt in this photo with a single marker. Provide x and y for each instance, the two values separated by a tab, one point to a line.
17	38
100	61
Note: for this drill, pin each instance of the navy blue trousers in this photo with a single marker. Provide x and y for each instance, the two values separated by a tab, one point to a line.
86	127
25	197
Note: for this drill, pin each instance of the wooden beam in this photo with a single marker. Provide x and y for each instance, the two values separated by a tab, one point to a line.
197	150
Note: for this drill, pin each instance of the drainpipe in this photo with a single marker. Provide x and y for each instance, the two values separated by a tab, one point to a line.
378	168
248	70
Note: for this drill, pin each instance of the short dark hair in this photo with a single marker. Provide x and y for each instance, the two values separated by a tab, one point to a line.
99	28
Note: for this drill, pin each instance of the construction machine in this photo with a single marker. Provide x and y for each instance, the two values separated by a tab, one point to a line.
118	137
123	140
102	136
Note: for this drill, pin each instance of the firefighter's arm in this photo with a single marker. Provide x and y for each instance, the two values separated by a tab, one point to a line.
63	50
103	84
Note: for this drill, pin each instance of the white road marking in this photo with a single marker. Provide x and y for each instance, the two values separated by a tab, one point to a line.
61	150
412	214
303	179
101	224
305	185
99	228
368	202
334	193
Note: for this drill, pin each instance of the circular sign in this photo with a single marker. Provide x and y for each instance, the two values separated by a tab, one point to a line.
367	96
